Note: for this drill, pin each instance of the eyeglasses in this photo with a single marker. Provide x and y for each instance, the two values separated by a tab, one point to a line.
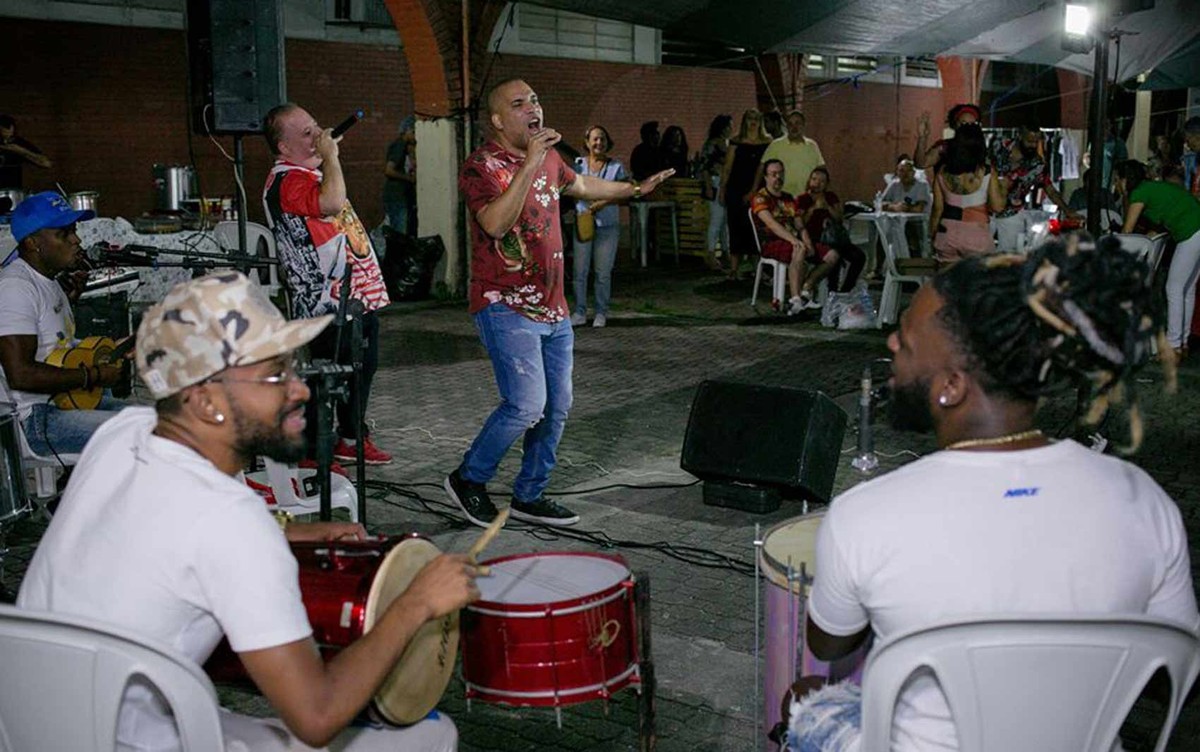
283	378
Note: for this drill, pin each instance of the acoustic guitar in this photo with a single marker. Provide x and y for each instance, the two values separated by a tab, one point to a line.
91	351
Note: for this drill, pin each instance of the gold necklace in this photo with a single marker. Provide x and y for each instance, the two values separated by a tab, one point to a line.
1008	438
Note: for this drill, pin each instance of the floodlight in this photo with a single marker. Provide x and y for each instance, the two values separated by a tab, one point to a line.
1077	28
1078	20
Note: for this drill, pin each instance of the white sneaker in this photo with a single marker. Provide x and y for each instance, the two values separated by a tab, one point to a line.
795	305
600	321
810	301
578	319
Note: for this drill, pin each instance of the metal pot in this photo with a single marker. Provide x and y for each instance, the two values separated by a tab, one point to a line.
9	198
85	201
174	184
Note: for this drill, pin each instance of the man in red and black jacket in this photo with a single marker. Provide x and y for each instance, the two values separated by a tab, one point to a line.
320	240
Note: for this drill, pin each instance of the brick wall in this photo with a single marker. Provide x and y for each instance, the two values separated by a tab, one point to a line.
577	93
856	129
106	103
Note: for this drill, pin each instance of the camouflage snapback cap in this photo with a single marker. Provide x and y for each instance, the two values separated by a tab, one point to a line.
209	324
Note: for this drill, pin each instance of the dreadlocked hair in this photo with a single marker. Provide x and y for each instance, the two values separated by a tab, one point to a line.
1071	312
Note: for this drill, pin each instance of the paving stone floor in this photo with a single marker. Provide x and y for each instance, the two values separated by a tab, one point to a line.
670	328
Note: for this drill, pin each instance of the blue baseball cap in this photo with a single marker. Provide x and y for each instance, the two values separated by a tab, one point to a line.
42	210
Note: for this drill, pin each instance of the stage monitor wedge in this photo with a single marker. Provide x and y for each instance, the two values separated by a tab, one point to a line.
235	64
784	439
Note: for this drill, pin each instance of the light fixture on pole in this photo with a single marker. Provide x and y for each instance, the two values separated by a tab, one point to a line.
1077	27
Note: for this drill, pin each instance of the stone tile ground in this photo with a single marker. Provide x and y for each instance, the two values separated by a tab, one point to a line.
634	381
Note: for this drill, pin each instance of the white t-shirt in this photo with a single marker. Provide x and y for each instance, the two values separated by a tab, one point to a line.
32	303
917	193
1056	529
152	537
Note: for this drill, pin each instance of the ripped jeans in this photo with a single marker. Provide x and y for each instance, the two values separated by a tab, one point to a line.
532	362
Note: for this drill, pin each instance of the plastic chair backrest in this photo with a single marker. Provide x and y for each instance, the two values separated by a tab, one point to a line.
64	678
1037	684
1144	247
227	236
754	229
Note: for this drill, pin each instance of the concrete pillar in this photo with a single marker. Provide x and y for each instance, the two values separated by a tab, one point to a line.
1138	142
437	195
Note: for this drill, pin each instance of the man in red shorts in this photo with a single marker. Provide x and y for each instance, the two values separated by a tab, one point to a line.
783	238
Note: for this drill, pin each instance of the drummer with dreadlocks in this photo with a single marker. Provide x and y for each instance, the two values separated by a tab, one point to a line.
1002	519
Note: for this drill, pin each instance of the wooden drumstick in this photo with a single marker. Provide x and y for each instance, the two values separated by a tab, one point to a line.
491	532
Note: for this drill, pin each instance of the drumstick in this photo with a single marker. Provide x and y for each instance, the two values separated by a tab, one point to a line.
491	532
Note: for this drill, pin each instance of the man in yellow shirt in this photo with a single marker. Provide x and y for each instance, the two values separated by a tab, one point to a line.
800	155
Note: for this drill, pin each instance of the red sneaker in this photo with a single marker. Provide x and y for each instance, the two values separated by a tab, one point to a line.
333	466
372	454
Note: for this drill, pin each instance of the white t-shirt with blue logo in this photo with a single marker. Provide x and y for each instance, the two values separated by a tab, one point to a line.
1057	529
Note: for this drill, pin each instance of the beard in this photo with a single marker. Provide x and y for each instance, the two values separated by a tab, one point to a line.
910	407
267	438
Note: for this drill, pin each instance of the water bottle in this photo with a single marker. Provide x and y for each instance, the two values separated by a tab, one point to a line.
878	201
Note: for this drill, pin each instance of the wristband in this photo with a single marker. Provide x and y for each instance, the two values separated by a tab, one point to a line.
637	190
87	377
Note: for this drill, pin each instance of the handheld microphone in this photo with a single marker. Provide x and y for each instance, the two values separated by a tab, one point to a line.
348	123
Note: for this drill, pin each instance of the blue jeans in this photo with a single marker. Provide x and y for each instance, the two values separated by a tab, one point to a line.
532	362
50	430
603	247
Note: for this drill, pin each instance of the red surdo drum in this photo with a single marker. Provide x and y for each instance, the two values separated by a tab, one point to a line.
551	629
346	586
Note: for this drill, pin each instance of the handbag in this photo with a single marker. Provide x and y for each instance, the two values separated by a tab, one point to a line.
834	234
585	226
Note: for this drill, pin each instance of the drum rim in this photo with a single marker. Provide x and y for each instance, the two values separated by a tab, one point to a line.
382	703
501	609
775	570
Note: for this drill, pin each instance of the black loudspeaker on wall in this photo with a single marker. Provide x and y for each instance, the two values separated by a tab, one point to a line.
235	63
753	445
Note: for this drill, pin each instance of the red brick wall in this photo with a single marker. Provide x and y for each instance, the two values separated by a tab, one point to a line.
578	93
106	103
856	129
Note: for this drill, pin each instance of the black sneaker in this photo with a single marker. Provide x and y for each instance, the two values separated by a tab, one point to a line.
470	497
543	511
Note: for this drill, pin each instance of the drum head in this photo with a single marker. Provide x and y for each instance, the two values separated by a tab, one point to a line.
419	678
794	542
543	579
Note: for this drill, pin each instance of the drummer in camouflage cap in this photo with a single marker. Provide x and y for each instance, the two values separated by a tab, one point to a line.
209	324
159	535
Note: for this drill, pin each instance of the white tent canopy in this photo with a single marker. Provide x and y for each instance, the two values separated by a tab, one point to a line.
1026	31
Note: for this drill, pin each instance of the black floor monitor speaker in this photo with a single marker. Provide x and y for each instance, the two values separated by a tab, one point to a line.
755	444
235	63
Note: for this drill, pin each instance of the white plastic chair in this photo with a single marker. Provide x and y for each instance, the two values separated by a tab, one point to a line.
1144	247
1036	684
284	479
778	275
43	468
227	236
889	300
64	678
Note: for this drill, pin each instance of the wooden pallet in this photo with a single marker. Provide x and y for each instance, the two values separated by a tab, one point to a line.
692	213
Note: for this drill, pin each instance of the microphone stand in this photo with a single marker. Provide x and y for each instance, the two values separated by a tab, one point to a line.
330	386
865	460
356	364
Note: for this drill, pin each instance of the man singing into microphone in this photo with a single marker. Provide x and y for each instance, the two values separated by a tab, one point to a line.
36	318
512	186
320	240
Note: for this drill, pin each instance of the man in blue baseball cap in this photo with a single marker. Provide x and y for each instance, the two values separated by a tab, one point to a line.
36	319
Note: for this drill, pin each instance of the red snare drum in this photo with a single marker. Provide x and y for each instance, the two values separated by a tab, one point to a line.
551	629
346	586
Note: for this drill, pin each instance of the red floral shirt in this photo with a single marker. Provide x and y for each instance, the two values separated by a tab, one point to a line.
524	269
781	207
